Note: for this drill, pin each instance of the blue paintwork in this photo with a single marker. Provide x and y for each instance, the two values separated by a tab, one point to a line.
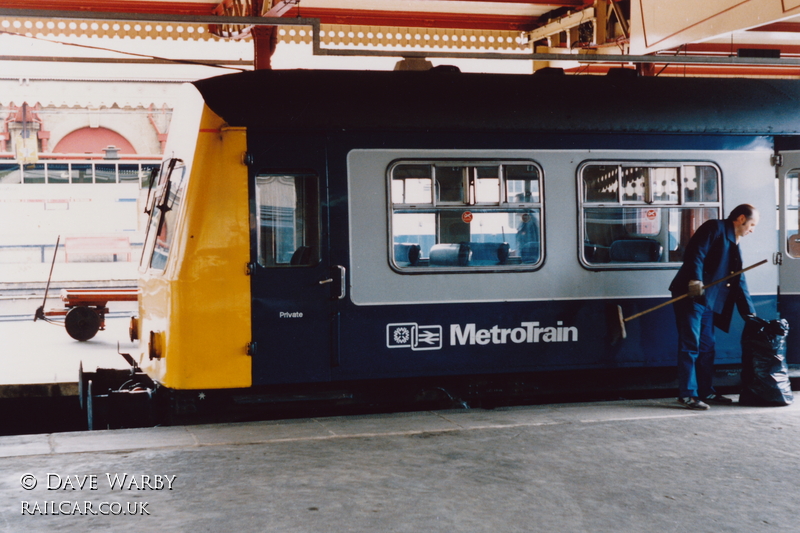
651	340
340	341
478	140
291	350
440	101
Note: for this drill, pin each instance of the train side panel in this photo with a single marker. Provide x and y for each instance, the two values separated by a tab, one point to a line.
557	317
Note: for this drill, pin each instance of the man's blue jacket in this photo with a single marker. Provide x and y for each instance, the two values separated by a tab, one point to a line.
712	254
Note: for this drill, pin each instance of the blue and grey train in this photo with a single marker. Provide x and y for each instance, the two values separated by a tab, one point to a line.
327	235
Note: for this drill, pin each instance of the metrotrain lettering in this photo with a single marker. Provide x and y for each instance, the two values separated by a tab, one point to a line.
529	332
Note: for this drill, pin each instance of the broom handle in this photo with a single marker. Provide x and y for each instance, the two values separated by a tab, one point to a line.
682	296
40	311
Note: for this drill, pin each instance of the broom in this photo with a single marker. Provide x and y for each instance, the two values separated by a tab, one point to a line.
621	333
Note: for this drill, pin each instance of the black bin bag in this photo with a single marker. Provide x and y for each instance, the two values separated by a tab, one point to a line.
765	373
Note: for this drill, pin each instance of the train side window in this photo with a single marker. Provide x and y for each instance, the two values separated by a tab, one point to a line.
792	191
59	173
33	173
640	214
411	184
522	184
465	215
486	188
288	220
10	174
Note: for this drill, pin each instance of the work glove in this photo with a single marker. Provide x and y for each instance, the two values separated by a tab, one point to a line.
695	288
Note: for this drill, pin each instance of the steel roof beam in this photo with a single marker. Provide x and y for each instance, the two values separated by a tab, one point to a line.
417	19
319	50
185	8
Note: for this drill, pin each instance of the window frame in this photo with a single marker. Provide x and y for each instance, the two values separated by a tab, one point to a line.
621	204
312	217
471	204
163	195
791	184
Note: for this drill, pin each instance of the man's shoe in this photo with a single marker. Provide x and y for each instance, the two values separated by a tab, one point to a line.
718	399
693	403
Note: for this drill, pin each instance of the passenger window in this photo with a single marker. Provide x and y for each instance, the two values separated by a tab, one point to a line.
58	173
450	185
468	215
522	184
33	173
287	208
411	184
700	184
638	213
10	174
487	185
82	173
792	215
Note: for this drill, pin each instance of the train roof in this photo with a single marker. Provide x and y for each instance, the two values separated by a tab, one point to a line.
294	100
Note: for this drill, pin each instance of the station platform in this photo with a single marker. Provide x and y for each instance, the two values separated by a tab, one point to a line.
17	278
40	353
621	467
39	361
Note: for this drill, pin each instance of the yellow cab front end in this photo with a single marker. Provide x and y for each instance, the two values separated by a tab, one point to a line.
194	323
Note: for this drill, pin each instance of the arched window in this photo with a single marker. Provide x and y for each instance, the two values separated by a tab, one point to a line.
92	140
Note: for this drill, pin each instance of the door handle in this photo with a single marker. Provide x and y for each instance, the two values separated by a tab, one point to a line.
342	282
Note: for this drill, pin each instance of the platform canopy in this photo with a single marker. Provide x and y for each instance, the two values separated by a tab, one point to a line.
673	37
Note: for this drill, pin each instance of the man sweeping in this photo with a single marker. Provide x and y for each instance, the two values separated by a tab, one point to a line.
712	253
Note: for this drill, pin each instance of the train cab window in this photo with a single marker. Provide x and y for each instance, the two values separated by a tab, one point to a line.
288	220
164	200
465	215
636	214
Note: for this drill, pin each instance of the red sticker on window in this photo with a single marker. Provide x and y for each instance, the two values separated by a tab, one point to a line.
466	216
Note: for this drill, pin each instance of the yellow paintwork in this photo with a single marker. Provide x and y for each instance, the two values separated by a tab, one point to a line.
199	306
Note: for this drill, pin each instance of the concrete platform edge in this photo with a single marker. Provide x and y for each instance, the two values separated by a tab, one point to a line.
38	390
364	426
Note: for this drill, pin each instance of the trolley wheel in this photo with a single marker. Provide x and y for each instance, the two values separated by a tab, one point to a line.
82	323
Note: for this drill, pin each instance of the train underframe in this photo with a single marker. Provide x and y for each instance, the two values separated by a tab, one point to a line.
128	398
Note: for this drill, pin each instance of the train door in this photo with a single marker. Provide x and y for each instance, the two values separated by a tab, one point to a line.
788	182
292	281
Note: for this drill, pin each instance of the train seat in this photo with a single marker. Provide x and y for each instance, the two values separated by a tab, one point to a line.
450	254
406	254
636	251
301	256
489	253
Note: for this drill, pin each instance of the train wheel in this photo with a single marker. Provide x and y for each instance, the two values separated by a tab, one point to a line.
82	323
